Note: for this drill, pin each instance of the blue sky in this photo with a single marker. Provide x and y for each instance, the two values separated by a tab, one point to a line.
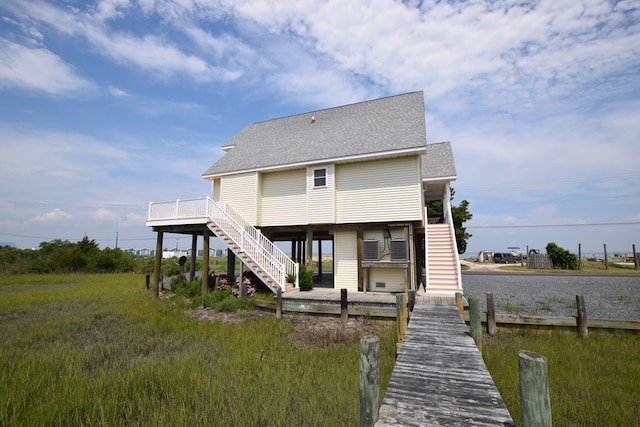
107	105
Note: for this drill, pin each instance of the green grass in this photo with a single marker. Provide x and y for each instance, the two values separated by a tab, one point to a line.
98	350
592	381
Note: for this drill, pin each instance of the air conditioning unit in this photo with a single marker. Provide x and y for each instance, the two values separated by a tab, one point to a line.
399	250
370	250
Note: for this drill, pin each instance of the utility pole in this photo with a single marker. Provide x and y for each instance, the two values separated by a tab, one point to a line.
116	240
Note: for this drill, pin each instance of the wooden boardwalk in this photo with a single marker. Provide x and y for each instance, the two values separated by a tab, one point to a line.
330	295
439	378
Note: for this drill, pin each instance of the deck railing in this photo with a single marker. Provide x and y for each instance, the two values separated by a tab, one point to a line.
247	239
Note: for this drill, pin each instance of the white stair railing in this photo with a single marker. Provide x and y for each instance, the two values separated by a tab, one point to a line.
245	237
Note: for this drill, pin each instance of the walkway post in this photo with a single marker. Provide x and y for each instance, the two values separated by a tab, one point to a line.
491	315
344	311
369	380
474	320
535	405
459	303
581	319
279	303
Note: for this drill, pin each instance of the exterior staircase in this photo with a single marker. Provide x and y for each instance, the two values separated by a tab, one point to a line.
270	264
443	271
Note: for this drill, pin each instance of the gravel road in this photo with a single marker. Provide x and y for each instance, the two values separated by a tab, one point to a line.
606	297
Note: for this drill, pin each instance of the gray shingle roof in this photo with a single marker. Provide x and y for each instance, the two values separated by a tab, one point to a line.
380	126
438	161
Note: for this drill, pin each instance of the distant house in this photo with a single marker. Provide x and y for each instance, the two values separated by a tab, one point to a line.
356	175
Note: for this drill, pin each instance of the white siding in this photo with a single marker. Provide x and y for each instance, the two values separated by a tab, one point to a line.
320	201
393	278
284	200
346	260
241	192
378	191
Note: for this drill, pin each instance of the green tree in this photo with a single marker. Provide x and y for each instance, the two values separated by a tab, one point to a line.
460	215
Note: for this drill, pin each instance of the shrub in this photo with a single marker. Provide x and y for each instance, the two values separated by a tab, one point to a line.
561	258
306	278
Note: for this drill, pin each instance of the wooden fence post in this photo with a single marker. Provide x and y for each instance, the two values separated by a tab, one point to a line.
474	320
606	257
581	320
635	257
535	405
491	315
399	318
459	303
369	380
147	281
279	303
344	311
412	300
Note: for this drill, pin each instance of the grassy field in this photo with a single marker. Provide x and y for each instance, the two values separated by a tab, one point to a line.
592	382
97	350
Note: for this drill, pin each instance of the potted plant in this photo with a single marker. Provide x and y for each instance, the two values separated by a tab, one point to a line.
305	278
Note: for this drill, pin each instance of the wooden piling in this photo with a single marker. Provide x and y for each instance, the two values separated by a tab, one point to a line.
581	319
243	289
535	405
147	281
344	311
412	300
369	380
474	320
491	315
460	303
279	303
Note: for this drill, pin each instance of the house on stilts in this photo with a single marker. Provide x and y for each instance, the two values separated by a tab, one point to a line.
357	176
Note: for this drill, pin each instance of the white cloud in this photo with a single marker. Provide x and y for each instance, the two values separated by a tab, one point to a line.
103	214
38	69
56	215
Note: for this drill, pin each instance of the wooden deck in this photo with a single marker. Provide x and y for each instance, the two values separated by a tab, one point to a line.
330	295
439	378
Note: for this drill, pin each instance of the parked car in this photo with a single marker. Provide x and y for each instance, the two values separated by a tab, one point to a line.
504	258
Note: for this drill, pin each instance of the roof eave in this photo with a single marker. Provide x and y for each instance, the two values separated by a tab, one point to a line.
359	157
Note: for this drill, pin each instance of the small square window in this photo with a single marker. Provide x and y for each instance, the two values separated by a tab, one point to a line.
319	178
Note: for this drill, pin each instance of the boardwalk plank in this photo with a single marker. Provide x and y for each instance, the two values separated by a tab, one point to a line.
439	378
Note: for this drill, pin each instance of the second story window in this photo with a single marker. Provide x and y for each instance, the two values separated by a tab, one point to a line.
319	178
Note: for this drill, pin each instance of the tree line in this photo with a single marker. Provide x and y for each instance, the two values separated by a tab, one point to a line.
63	256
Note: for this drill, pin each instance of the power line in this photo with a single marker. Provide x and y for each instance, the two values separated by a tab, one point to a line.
594	224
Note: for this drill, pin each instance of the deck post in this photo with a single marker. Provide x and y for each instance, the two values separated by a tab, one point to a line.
459	303
231	265
157	284
474	320
369	380
344	311
194	251
205	262
535	405
491	315
581	319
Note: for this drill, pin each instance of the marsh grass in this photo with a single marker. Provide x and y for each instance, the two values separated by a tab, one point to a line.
97	350
592	381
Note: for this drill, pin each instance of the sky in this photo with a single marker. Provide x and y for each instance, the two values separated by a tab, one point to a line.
108	105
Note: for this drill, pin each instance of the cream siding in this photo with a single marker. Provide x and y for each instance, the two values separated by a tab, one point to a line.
378	191
283	196
241	192
320	200
216	190
345	260
393	278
